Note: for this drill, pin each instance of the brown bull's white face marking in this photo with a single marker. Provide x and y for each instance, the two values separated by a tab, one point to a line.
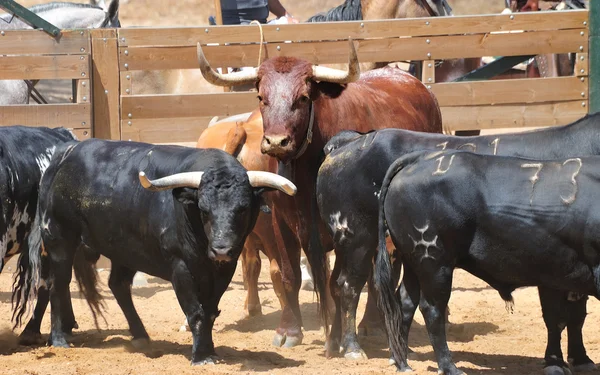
424	243
578	164
440	170
495	144
535	178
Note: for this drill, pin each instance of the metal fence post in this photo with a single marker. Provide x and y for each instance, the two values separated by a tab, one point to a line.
594	56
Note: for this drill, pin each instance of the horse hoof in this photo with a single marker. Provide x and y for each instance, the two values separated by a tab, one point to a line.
292	341
142	343
210	360
356	355
556	370
61	343
586	367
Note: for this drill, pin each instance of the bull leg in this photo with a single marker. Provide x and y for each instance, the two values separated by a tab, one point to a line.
60	265
436	284
558	313
119	282
31	335
335	335
289	333
577	355
251	264
352	281
371	323
200	317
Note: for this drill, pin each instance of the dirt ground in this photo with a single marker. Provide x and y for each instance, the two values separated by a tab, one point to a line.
483	336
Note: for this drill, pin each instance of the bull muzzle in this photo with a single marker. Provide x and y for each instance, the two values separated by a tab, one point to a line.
221	254
277	145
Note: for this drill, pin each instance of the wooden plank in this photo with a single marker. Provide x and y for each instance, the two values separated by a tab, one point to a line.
186	129
83	91
126	83
582	65
189	105
51	115
37	42
82	133
189	36
510	91
512	115
428	76
394	49
218	12
106	84
44	67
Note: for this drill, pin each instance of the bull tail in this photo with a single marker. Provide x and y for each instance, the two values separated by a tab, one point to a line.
236	138
317	257
29	273
384	282
87	280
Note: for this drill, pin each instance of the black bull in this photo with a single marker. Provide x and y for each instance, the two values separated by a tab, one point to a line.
512	222
188	226
350	179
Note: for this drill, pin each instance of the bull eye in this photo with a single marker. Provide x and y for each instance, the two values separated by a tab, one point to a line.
260	98
304	99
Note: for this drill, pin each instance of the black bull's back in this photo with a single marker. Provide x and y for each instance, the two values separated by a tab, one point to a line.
24	155
513	222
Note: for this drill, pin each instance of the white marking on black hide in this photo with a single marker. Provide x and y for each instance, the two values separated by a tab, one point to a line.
495	144
43	159
473	147
536	176
439	170
570	199
10	236
422	242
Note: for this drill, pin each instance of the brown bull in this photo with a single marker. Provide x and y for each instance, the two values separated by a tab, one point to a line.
302	107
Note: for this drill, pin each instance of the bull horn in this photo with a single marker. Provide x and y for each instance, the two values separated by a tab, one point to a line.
186	179
218	79
321	73
272	180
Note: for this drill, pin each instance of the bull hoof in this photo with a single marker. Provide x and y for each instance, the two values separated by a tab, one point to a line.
586	367
356	355
332	348
292	341
59	343
286	341
75	325
31	338
210	360
142	343
401	368
253	310
556	370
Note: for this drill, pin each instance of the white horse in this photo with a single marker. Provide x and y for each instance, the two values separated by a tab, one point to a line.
64	16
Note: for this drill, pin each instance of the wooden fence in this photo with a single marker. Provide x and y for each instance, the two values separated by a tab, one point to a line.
117	55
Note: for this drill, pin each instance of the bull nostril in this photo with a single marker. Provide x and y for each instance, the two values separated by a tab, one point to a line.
267	141
284	142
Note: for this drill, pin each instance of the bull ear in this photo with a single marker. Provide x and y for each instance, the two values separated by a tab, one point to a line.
186	195
262	202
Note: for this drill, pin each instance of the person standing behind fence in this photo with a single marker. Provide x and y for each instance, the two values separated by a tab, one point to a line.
242	12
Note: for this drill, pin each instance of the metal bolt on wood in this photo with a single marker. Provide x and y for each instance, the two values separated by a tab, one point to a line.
427	23
82	49
106	92
362	24
206	30
512	17
85	98
123	40
428	54
82	83
128	76
126	65
126	52
2	33
583	94
127	91
428	41
129	123
278	48
129	115
83	123
83	74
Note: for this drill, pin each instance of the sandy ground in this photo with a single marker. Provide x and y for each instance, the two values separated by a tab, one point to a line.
484	337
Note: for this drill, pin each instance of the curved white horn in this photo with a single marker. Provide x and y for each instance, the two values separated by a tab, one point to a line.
218	79
272	180
321	73
186	179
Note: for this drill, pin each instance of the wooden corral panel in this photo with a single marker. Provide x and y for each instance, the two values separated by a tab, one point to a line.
371	50
173	37
165	130
189	105
67	115
512	115
37	42
106	84
516	91
44	67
